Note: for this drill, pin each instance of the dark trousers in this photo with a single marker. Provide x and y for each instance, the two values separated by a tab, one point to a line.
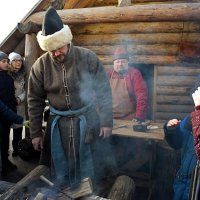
17	136
4	142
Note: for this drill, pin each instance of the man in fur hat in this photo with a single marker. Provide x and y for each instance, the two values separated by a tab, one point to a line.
76	136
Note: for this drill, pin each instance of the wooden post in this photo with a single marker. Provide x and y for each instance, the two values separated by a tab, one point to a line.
31	54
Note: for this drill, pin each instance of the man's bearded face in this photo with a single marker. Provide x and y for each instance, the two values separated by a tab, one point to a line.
59	54
121	66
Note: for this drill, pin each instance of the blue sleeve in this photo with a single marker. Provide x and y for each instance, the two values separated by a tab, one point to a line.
176	137
173	137
8	114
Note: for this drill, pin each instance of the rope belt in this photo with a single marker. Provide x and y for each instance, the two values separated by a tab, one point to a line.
61	163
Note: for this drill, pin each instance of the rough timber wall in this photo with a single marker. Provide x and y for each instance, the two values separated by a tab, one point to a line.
154	43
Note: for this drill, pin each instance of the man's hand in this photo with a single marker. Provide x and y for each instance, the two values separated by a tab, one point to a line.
196	97
105	132
37	143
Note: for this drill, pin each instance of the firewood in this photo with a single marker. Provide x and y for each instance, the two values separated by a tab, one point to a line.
94	197
85	188
122	189
31	176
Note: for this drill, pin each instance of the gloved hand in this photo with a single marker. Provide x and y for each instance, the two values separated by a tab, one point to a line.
26	123
196	97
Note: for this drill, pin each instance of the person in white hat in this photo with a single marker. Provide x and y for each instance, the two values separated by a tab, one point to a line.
17	71
75	144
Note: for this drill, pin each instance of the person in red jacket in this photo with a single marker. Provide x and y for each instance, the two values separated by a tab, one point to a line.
130	102
129	90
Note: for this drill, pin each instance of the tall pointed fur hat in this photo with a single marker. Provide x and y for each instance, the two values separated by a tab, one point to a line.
54	34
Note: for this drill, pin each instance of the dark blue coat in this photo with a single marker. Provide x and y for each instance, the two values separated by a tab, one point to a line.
182	138
9	115
7	90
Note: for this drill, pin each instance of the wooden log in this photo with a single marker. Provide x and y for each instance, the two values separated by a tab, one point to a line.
136	13
100	3
30	177
135	27
94	197
175	108
28	28
31	54
174	80
84	189
173	90
137	49
5	186
78	4
123	39
143	59
20	47
179	70
122	189
173	100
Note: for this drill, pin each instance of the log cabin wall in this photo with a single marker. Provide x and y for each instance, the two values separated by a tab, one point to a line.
150	44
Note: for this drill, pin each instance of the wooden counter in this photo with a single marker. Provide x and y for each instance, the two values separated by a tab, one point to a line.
125	128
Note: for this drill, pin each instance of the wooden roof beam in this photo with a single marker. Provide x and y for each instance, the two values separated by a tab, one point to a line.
78	4
136	13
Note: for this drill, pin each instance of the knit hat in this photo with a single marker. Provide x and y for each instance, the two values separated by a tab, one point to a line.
3	55
54	34
12	56
120	53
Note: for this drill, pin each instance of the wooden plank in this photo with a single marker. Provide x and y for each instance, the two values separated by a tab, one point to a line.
124	128
137	13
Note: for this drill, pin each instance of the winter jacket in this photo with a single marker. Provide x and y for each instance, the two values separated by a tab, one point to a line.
8	114
137	90
7	91
182	138
19	83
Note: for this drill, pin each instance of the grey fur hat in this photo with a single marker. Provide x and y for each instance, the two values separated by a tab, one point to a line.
54	34
3	55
